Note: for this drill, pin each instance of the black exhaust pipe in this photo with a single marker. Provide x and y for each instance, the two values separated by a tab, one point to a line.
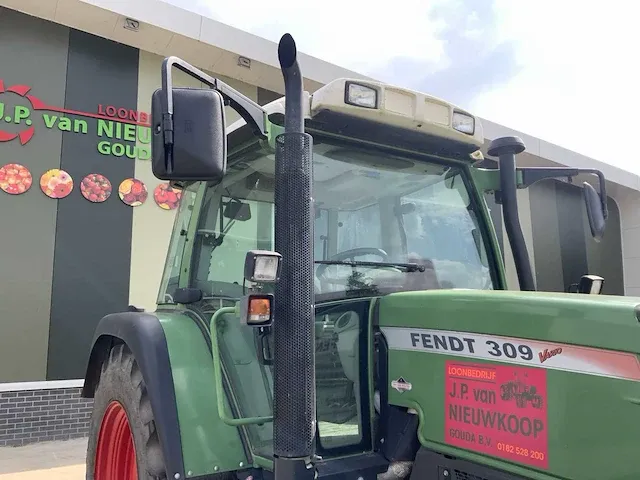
294	405
506	149
293	89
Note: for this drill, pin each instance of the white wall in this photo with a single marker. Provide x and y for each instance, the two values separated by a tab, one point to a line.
629	204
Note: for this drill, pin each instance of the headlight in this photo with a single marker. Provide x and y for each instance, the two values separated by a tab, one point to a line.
262	266
360	95
463	123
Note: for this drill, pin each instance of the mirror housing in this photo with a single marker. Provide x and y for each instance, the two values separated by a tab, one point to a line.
237	210
199	144
185	296
595	213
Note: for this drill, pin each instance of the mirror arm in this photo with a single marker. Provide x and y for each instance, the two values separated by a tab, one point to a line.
531	175
250	111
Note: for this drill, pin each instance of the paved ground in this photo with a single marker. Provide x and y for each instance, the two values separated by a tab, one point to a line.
75	472
50	460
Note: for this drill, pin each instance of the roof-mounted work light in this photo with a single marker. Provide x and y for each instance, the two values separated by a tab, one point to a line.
463	123
360	95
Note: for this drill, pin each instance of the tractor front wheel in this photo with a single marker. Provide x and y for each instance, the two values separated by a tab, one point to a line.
123	442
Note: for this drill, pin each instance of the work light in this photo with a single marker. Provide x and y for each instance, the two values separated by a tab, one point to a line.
591	284
360	95
262	266
463	123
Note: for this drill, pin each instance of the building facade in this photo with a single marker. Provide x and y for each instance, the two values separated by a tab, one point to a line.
86	225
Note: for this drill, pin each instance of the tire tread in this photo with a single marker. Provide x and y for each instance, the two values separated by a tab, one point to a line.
121	379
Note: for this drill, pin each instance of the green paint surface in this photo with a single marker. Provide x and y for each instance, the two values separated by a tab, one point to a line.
486	179
592	421
208	444
494	256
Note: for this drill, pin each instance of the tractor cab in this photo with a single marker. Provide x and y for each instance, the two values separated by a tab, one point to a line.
384	221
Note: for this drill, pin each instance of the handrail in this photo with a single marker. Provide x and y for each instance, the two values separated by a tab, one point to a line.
217	373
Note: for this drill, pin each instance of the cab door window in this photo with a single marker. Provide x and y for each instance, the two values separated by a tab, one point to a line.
342	389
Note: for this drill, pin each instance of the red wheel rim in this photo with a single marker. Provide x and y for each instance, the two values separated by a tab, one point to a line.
116	453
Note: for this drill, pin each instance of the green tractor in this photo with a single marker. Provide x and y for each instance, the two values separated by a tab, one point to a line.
334	305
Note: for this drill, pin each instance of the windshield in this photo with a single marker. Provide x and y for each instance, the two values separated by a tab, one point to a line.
377	217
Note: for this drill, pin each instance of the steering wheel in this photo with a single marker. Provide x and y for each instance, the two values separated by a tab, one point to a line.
351	255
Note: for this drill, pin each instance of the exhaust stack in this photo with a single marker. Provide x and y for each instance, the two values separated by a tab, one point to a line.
506	149
293	329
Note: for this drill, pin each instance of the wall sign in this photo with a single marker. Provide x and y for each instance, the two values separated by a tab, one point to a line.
96	188
133	192
56	183
120	132
15	179
499	410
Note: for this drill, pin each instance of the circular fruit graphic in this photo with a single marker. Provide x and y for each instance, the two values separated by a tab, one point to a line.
166	197
15	178
56	183
132	192
95	187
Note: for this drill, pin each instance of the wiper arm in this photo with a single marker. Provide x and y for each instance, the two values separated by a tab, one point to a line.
409	267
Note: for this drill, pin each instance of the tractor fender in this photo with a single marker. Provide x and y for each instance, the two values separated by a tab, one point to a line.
145	337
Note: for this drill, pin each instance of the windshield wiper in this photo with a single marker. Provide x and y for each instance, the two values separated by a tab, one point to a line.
409	267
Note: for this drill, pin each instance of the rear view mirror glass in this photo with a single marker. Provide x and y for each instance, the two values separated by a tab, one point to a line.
199	150
236	210
592	201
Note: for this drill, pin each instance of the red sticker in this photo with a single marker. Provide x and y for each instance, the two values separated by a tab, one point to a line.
497	410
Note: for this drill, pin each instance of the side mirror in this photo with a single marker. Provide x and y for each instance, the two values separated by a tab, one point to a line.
198	147
595	213
189	136
185	296
237	210
595	202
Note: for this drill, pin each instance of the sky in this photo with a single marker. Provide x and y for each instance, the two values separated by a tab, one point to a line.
566	71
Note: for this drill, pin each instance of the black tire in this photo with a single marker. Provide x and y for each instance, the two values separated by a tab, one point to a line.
121	380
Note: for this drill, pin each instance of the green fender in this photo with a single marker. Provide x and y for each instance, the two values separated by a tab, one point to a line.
208	444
